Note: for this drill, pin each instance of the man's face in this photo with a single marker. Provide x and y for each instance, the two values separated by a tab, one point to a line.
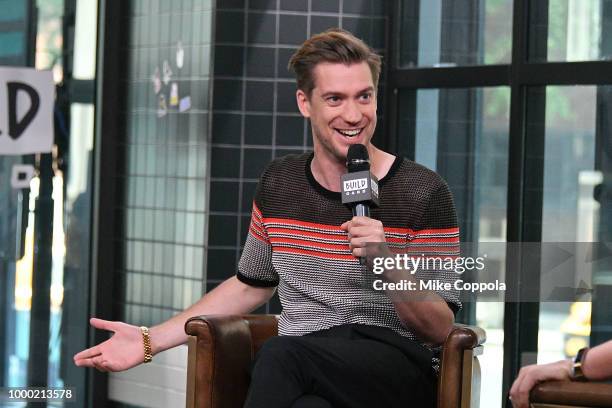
341	108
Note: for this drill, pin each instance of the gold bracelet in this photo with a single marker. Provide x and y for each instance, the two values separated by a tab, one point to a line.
146	341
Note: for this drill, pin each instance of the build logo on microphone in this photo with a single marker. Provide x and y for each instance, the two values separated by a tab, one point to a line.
355	186
359	186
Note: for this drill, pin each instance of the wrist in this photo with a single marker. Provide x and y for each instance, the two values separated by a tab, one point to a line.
377	250
577	372
568	367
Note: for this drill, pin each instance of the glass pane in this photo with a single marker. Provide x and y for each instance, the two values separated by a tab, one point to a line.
165	193
13	32
463	135
577	200
570	30
45	269
449	32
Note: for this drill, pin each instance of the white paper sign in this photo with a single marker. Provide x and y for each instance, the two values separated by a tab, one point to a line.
21	175
26	111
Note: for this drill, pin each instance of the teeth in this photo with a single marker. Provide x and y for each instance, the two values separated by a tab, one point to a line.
349	133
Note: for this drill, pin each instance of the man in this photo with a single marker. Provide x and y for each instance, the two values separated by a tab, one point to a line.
342	343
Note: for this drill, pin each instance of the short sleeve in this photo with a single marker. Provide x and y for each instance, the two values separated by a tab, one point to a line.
255	267
438	240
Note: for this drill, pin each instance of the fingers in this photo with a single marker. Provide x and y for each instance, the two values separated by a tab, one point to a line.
89	353
99	364
96	350
517	382
358	246
519	392
374	230
359	221
359	237
361	231
103	324
83	362
515	396
531	375
365	231
523	394
358	251
368	247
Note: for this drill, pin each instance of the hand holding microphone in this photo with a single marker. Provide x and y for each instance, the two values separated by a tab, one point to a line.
360	192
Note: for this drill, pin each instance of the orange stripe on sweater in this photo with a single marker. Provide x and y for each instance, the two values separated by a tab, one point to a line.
318	254
321	245
319	235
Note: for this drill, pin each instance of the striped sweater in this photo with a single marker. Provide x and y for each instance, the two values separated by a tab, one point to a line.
295	242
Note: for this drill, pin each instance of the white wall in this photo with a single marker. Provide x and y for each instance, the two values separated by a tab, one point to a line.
159	384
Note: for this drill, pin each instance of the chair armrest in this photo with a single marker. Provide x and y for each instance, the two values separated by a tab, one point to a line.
462	344
466	336
219	361
573	393
221	350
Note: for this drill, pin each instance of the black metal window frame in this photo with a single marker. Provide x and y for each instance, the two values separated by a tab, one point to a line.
521	320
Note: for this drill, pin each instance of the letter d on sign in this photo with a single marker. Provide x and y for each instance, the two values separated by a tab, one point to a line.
27	97
16	126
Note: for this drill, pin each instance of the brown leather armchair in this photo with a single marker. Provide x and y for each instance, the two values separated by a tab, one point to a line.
571	394
222	347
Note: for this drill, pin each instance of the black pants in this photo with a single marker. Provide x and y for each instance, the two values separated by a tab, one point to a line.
348	366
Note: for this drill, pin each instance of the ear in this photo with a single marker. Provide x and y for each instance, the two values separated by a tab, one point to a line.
303	103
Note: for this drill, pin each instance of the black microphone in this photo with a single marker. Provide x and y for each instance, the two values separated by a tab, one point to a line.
359	186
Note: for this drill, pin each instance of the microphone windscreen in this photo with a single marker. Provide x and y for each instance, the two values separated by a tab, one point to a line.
357	158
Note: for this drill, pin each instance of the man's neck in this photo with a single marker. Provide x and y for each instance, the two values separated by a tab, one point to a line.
327	171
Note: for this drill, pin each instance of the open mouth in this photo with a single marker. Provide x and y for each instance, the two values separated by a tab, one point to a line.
349	132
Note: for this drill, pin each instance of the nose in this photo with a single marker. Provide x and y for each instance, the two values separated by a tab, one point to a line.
351	113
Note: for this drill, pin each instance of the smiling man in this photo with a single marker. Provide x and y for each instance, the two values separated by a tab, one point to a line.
341	343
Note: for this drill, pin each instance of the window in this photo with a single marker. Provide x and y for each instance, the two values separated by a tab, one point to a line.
510	102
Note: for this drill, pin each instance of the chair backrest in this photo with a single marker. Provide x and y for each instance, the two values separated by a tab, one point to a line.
262	328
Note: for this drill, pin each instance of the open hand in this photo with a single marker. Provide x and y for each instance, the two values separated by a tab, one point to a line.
122	351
